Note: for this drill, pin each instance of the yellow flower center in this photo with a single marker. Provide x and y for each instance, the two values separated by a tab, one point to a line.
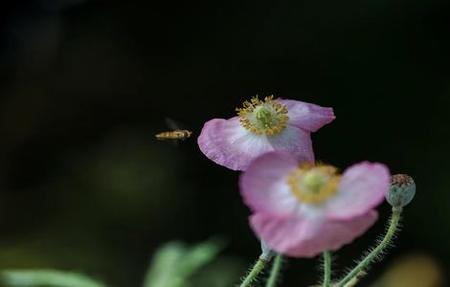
313	184
268	117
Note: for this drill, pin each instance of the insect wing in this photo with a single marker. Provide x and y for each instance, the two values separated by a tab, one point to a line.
172	124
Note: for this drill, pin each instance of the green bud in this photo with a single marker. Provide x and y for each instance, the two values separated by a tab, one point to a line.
401	191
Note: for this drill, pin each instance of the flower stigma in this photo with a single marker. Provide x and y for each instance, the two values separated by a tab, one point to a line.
263	117
313	184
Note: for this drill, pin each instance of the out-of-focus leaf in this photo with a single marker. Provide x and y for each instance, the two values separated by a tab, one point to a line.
198	256
223	272
25	278
160	272
174	263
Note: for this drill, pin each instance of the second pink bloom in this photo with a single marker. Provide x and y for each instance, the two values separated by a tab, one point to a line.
301	210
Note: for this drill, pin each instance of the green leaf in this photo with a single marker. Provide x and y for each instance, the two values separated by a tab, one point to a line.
160	271
25	278
174	263
223	272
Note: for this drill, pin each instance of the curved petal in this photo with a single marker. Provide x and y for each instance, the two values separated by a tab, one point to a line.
229	144
264	187
308	116
308	237
363	186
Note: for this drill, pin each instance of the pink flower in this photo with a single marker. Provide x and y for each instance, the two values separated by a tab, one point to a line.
260	127
303	210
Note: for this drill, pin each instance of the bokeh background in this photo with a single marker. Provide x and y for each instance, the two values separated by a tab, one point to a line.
85	85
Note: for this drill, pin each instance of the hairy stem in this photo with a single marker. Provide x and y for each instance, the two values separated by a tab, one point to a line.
274	272
254	272
326	269
377	251
355	280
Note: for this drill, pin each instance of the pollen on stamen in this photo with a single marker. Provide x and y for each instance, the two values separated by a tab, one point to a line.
263	117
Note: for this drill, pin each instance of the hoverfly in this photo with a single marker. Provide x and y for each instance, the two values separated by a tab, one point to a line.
175	134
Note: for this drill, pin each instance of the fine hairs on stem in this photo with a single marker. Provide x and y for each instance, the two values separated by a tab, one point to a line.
356	273
355	280
275	271
326	269
252	275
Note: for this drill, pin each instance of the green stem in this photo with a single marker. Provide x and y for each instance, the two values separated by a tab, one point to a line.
355	280
253	274
326	269
377	251
274	272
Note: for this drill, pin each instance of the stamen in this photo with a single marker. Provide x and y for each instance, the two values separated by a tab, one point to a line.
313	184
268	117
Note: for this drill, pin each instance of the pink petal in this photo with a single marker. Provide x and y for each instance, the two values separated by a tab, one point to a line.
308	237
295	141
227	143
363	186
264	187
308	116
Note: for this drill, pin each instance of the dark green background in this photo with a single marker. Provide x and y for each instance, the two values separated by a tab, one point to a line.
85	85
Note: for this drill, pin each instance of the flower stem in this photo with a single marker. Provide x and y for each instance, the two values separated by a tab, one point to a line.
254	272
326	269
274	272
355	280
377	251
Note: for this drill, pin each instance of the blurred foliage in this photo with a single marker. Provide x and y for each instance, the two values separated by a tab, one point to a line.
224	272
50	278
174	263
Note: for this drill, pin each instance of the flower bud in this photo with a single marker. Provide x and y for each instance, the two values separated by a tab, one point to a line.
401	191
